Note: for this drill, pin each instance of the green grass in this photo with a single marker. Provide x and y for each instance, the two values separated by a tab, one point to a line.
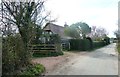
118	47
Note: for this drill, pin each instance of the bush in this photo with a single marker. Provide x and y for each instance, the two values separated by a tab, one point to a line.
33	70
13	55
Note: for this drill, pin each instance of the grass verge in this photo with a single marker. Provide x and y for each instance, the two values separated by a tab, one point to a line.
118	47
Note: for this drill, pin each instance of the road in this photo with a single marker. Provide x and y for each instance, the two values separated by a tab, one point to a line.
103	61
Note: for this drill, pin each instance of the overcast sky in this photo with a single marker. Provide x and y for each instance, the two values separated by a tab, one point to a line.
102	13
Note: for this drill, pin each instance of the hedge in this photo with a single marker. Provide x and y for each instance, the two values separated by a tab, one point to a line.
99	44
80	44
85	44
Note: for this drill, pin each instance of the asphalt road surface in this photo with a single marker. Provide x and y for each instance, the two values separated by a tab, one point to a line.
103	61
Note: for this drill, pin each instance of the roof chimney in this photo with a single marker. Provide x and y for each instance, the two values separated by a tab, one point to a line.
65	25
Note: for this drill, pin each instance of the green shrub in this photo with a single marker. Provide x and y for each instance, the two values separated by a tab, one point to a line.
33	70
13	55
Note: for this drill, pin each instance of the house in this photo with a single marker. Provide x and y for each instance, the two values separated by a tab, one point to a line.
56	29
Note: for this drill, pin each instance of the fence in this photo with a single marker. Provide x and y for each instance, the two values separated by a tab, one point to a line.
43	48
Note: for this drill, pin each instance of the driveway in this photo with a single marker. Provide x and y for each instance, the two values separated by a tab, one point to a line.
103	61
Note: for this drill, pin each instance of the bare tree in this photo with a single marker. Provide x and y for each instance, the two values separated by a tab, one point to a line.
98	33
23	18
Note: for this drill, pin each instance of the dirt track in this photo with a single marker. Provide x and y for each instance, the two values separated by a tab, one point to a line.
51	63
